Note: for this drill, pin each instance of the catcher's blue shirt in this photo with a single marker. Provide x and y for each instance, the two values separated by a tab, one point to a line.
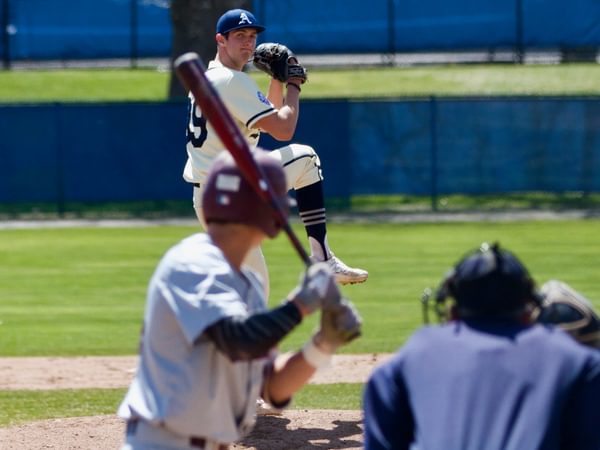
485	386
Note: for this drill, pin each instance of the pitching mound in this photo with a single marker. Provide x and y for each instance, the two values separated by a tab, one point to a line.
294	430
117	371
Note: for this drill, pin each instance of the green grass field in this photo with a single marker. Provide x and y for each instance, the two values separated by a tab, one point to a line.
24	406
91	85
80	291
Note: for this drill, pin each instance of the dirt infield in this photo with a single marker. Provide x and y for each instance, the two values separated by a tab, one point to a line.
117	371
295	429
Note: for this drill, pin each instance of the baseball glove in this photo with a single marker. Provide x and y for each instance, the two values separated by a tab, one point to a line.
279	62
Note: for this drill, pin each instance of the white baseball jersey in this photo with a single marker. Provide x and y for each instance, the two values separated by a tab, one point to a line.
245	102
183	382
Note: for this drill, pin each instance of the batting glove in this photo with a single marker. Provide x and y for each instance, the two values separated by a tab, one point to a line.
317	289
340	325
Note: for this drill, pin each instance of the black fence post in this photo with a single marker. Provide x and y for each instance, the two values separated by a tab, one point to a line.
391	32
60	171
134	33
433	112
6	34
519	46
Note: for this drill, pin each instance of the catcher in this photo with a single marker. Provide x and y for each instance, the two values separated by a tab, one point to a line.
275	113
488	377
207	349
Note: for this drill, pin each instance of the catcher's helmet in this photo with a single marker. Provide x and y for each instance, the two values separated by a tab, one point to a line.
229	198
563	306
489	282
235	19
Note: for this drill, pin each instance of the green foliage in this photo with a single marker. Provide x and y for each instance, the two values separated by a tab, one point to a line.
23	406
81	291
93	85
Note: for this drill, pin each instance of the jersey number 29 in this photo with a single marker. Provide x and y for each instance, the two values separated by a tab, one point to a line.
196	122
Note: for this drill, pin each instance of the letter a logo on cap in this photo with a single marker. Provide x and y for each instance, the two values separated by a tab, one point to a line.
244	19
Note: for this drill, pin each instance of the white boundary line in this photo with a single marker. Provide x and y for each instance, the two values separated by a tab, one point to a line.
425	217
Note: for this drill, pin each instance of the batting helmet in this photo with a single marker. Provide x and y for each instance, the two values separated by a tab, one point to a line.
489	282
229	198
563	306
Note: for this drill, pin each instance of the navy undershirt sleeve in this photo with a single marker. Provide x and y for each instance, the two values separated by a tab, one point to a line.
246	338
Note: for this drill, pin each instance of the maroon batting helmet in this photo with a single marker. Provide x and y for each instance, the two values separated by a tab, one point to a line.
229	198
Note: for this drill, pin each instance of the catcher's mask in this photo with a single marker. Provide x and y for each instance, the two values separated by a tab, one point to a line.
487	283
229	198
567	308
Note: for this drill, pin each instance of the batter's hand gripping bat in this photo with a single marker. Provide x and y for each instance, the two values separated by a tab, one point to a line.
190	70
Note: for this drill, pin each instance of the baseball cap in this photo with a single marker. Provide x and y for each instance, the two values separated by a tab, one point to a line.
238	18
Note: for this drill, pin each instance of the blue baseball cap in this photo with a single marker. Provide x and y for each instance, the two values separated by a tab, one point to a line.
237	18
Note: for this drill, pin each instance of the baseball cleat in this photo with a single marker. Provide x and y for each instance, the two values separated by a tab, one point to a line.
264	409
345	274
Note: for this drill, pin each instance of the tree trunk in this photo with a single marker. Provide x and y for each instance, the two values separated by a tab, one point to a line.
194	23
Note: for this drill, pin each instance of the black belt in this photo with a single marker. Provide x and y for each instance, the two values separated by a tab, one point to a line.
196	185
195	441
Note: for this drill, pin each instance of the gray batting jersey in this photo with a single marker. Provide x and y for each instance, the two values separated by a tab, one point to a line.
246	103
183	382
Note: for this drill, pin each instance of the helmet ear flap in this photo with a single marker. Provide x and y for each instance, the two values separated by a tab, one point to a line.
533	294
446	290
451	286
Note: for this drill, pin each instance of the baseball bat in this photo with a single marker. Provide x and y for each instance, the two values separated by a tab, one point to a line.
190	70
